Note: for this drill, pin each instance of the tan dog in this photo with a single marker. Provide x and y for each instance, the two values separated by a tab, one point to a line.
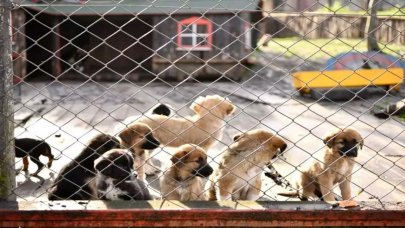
203	129
238	176
319	179
139	138
183	181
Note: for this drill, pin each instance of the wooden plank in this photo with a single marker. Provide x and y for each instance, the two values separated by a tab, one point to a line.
121	213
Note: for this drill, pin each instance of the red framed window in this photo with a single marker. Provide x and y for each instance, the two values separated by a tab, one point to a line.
194	34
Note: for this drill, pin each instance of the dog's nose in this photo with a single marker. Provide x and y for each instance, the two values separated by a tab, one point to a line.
134	174
283	147
151	142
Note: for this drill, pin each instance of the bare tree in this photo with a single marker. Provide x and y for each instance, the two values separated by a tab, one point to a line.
371	27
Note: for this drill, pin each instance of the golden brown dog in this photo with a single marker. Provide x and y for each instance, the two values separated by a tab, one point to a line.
203	129
183	181
238	176
139	138
319	178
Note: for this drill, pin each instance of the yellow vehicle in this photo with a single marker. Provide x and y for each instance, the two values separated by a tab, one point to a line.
390	78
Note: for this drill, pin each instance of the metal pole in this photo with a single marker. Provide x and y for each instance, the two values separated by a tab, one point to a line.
7	171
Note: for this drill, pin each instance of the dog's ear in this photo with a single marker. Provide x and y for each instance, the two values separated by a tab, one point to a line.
126	136
130	160
196	106
179	156
330	140
104	167
237	137
231	108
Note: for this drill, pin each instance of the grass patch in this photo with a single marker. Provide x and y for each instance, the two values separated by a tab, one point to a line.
323	49
338	8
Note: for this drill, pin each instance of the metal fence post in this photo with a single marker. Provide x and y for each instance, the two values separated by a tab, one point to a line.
7	173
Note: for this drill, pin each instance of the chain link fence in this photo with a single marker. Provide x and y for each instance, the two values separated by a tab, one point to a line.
209	74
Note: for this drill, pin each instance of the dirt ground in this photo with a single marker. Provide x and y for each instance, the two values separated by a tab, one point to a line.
76	111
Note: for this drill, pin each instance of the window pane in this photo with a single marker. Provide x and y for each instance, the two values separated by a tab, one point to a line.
202	28
186	28
202	41
186	41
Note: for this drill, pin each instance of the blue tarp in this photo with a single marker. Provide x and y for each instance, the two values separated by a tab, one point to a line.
363	60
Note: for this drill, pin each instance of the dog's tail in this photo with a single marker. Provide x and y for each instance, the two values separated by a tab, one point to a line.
289	194
161	109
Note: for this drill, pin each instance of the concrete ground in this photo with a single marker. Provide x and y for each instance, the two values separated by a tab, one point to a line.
76	111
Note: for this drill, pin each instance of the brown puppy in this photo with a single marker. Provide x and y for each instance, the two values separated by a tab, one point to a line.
319	179
202	129
138	138
238	176
183	181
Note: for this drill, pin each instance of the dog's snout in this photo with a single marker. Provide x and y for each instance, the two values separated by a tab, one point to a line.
283	148
349	150
205	171
151	142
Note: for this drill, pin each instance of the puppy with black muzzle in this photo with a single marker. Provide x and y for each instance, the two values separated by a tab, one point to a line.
138	138
183	180
116	179
76	181
238	176
158	109
318	180
33	148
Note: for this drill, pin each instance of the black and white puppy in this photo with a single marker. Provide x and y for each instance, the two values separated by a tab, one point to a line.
76	181
116	179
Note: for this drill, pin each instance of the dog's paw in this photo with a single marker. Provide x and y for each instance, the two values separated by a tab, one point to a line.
34	174
334	203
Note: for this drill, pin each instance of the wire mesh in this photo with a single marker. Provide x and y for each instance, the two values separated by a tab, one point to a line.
221	69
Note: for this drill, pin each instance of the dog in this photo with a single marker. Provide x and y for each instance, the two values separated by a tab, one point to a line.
318	180
138	138
238	176
76	181
33	148
203	129
116	179
158	109
183	180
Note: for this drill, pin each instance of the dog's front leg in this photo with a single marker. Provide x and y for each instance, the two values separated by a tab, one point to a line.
225	189
254	191
326	186
150	168
139	166
345	188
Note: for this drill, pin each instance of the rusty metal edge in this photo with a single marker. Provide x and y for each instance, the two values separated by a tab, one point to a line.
195	217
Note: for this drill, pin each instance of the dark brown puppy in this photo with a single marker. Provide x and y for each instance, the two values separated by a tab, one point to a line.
33	148
182	181
116	179
76	181
318	180
138	138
